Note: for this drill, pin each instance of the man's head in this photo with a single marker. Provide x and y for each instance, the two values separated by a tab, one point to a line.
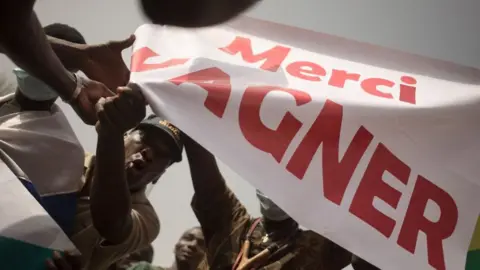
190	248
34	89
64	32
150	149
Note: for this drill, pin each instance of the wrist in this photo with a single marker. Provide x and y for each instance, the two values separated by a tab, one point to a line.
75	86
68	86
105	132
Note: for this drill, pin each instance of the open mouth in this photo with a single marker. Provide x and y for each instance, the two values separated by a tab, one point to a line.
187	253
135	165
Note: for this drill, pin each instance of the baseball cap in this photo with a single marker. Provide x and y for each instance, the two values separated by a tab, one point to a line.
172	131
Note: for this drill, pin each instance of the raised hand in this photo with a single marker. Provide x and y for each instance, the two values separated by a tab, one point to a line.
122	112
68	261
104	63
84	103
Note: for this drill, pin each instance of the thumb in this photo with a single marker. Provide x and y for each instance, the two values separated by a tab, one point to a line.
123	44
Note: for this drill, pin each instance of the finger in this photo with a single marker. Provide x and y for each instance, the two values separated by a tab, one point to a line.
134	91
60	262
114	115
123	103
99	106
102	116
97	126
50	265
123	44
135	100
73	259
83	107
126	111
106	91
101	90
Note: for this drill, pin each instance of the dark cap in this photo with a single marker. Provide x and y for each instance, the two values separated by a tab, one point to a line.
172	131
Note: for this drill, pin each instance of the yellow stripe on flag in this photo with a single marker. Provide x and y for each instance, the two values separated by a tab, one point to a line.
475	242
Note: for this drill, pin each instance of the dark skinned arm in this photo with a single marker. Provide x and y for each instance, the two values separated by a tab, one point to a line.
206	176
360	264
70	54
109	194
22	39
212	192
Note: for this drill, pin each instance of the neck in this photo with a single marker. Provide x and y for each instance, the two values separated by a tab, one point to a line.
27	104
280	229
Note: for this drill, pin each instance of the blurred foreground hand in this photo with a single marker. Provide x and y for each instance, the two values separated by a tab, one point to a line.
194	13
67	261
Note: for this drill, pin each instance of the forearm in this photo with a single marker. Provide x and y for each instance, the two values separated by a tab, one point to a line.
211	192
70	54
109	194
206	176
26	45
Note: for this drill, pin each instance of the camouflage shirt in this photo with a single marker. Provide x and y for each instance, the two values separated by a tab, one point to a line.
145	266
225	222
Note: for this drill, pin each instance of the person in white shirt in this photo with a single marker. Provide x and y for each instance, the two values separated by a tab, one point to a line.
37	137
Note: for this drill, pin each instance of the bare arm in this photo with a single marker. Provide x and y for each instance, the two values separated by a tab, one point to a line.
22	39
109	194
110	198
71	55
206	176
212	192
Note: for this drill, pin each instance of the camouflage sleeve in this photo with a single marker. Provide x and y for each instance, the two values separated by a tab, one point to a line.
335	256
360	264
219	213
319	253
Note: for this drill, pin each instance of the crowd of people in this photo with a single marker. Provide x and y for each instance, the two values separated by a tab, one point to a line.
99	200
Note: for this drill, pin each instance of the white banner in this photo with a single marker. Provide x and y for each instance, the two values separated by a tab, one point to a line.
381	161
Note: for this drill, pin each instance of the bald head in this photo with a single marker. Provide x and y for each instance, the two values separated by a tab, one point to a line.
194	13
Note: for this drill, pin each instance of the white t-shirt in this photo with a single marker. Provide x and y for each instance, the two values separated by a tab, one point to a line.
8	82
43	145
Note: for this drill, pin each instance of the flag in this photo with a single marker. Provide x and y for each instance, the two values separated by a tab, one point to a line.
473	256
28	235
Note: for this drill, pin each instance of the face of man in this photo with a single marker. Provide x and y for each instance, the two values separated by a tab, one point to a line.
191	247
147	156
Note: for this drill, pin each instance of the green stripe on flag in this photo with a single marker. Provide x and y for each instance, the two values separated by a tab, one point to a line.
473	255
473	260
475	242
18	255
